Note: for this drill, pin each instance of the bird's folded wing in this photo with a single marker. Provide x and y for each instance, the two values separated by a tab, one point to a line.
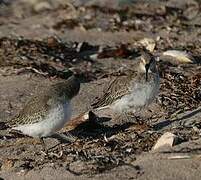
34	111
116	89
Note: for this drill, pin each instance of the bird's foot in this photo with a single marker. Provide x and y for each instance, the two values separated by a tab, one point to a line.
64	138
129	117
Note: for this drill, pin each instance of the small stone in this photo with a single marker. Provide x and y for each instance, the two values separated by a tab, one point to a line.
42	6
167	139
7	164
148	43
129	150
177	56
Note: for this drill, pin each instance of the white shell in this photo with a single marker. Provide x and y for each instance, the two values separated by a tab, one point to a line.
167	139
180	56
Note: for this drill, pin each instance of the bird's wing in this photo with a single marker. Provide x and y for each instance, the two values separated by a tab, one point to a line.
40	105
34	111
116	89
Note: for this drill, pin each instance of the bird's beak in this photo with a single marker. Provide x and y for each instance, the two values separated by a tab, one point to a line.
147	70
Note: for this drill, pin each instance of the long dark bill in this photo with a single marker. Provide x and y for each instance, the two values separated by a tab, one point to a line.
147	70
147	66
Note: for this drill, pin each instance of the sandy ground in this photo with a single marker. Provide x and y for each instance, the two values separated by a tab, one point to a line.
149	165
129	154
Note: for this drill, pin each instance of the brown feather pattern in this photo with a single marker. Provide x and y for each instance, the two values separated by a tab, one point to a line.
39	106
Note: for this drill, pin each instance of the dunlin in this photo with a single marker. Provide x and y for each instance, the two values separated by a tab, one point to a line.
48	111
133	91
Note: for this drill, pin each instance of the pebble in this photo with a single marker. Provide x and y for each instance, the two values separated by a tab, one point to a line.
167	139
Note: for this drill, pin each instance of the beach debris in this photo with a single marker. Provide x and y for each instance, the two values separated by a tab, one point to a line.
179	157
167	139
73	123
148	43
119	52
192	156
77	121
177	56
42	6
7	164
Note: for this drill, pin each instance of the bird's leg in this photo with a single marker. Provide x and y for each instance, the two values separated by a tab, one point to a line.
42	142
61	137
64	138
121	118
45	150
126	117
129	117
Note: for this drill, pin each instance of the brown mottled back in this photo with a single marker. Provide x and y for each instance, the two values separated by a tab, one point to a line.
117	88
39	106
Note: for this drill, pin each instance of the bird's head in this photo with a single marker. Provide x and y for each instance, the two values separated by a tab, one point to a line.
67	89
147	64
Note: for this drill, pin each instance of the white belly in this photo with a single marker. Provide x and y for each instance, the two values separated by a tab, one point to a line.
140	96
56	119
